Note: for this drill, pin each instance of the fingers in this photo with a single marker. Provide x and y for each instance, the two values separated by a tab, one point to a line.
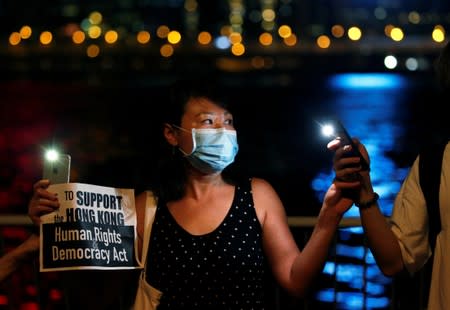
37	211
43	183
347	164
346	169
362	149
346	183
42	201
334	144
350	176
39	207
335	201
40	190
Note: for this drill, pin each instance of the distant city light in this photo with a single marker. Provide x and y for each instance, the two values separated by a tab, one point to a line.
222	43
390	62
412	64
354	33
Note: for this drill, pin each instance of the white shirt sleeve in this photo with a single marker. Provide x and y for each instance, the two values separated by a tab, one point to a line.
409	221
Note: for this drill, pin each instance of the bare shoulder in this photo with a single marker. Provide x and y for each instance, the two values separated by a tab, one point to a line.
266	199
262	187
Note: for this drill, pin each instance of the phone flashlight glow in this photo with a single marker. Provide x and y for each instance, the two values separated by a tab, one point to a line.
328	130
52	155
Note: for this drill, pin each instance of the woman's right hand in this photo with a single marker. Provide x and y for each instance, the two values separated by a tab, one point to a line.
349	172
42	201
347	167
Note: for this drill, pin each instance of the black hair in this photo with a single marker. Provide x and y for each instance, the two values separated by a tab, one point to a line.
442	68
182	90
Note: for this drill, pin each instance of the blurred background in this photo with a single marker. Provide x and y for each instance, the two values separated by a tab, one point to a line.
90	78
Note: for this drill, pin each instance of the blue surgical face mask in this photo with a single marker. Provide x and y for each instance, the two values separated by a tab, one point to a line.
213	149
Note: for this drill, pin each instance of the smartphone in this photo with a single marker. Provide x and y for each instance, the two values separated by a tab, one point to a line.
57	170
341	132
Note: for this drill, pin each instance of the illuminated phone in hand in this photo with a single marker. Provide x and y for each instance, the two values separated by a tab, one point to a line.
337	129
56	168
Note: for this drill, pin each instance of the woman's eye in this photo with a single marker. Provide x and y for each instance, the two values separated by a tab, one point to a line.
229	121
207	121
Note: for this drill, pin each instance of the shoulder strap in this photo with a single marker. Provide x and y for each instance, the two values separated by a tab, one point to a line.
430	164
150	210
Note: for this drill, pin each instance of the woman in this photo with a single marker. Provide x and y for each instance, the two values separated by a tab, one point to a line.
214	233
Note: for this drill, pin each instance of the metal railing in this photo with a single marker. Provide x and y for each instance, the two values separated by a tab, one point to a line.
293	221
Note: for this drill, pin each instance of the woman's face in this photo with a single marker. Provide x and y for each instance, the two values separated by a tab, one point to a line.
202	113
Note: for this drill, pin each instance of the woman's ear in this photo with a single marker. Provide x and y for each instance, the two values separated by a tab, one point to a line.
170	134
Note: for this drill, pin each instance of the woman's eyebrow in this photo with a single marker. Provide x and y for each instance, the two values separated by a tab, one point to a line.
206	114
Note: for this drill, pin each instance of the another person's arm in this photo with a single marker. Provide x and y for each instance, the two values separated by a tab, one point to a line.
23	253
41	202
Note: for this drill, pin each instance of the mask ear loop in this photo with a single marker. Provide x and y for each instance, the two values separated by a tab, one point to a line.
194	141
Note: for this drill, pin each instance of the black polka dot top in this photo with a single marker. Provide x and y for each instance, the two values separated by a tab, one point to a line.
223	269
